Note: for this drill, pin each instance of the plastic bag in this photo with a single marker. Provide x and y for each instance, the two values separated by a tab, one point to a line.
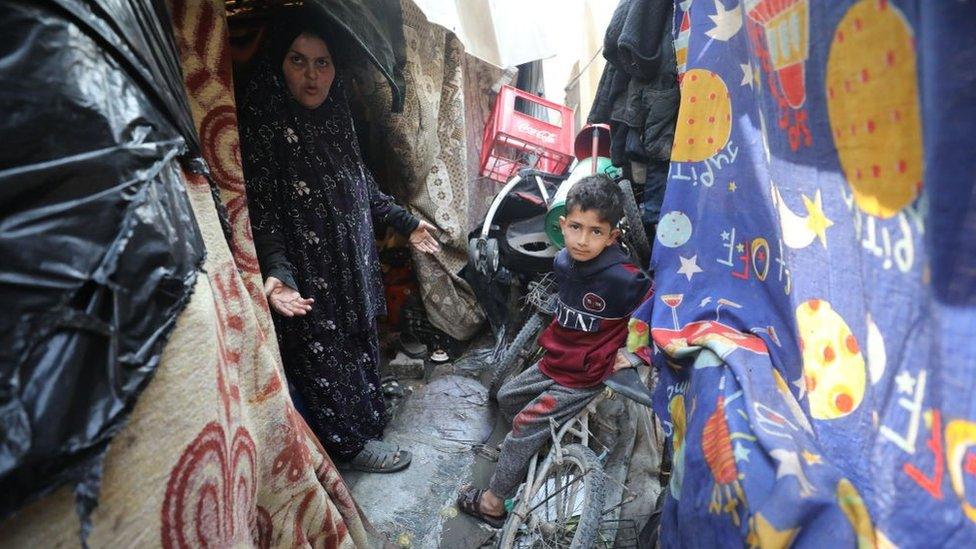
99	245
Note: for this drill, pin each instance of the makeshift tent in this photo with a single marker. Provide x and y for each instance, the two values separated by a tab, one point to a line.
816	298
102	171
211	451
88	305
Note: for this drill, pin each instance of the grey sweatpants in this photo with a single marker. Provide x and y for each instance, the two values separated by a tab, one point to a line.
528	401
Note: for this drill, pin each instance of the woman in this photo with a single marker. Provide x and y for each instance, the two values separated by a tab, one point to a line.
312	204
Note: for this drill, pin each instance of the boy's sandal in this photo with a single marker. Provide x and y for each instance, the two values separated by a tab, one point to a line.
469	502
380	457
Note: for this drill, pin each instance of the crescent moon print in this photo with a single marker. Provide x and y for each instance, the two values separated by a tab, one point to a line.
960	437
877	358
800	231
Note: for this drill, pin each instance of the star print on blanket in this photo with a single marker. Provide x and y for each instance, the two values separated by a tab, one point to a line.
812	303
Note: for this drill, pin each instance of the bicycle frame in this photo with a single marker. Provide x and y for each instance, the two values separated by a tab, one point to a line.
578	426
537	474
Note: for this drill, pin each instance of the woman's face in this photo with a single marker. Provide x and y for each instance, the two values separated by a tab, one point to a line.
308	70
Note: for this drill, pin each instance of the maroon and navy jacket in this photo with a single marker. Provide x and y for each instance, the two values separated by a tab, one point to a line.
596	298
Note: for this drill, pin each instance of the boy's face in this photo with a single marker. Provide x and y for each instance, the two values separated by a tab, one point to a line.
586	235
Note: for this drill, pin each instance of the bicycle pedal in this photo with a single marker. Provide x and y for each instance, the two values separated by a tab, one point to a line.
490	453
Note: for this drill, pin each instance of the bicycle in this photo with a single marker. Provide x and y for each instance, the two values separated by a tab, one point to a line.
561	503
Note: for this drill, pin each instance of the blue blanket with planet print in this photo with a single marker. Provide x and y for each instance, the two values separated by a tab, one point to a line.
815	261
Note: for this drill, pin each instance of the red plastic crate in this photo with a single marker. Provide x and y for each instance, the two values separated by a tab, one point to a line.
513	140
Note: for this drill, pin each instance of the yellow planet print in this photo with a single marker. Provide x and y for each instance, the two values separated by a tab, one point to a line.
833	366
704	117
960	440
852	505
873	107
677	409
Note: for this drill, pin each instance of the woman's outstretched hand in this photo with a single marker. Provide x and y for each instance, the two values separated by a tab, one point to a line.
285	300
422	238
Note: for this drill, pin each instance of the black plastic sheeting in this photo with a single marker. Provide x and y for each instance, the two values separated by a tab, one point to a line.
99	249
377	28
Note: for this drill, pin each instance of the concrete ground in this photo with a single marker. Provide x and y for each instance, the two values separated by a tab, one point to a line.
452	431
446	421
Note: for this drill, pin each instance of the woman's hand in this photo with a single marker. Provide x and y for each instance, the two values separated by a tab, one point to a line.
284	300
422	238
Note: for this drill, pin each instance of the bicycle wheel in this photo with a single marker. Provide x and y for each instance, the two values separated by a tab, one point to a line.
635	236
522	348
566	510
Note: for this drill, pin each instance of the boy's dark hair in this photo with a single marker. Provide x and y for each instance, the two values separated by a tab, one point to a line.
597	192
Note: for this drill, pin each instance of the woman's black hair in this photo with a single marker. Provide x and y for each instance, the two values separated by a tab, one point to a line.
597	192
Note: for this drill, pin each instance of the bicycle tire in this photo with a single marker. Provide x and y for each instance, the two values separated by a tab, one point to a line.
522	346
635	236
594	494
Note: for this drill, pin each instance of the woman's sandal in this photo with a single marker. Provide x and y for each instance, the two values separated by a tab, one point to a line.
412	346
380	457
469	502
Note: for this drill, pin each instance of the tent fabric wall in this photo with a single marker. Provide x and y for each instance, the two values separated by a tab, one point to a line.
420	156
214	453
572	75
313	503
100	248
814	311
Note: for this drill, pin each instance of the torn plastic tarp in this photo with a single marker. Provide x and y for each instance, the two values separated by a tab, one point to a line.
99	245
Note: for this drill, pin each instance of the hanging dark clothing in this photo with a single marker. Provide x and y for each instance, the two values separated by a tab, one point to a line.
312	203
638	91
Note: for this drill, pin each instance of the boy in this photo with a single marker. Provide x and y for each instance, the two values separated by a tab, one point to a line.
598	289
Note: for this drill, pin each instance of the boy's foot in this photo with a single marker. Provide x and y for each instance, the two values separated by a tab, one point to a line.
469	501
380	457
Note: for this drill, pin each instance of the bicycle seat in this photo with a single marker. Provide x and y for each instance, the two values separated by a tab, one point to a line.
628	383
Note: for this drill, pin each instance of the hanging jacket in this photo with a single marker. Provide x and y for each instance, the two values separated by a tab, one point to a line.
596	299
638	92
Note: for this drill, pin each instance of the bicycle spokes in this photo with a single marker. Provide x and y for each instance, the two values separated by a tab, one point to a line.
555	509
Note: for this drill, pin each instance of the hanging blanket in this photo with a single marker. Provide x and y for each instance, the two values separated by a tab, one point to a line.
420	157
815	311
